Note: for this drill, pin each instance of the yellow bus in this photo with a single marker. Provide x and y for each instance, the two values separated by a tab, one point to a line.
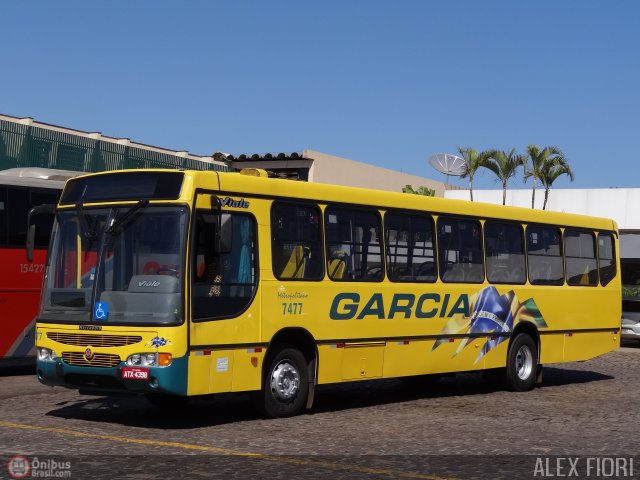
181	283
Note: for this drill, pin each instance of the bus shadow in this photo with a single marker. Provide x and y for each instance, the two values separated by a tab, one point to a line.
367	394
554	377
232	408
136	411
14	368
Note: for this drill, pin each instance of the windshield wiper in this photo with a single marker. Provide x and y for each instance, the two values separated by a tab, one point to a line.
117	224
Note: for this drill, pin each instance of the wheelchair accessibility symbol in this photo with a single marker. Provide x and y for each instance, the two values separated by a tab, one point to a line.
101	312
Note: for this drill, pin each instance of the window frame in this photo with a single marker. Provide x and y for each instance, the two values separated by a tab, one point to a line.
616	270
561	245
322	239
409	214
523	241
192	256
595	251
9	235
357	209
479	221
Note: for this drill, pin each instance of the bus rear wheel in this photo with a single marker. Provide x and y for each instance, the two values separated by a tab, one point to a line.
285	386
522	363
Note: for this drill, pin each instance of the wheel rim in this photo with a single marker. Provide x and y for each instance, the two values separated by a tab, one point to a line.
524	362
285	381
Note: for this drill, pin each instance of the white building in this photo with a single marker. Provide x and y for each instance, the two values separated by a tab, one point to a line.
619	204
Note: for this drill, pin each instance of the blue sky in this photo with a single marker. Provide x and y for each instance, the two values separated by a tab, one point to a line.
383	82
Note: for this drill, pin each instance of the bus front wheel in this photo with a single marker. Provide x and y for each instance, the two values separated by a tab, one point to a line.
285	387
522	362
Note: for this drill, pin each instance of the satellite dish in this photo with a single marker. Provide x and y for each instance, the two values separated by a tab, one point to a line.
448	164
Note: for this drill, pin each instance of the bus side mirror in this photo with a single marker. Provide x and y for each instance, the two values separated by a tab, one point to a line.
31	235
31	227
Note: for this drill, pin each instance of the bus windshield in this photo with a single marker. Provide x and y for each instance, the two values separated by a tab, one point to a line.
117	265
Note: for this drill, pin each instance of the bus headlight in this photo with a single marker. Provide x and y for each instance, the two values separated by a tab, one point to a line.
149	360
134	359
46	355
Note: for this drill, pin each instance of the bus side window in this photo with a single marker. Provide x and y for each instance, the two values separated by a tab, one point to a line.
580	258
296	241
223	283
17	208
409	248
44	223
353	236
606	256
504	248
544	254
460	250
15	203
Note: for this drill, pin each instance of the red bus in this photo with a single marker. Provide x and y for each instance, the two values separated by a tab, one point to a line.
20	281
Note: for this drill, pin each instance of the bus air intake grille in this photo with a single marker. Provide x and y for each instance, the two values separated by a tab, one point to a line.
98	360
92	339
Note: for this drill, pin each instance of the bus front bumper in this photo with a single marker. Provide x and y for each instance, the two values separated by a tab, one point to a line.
109	380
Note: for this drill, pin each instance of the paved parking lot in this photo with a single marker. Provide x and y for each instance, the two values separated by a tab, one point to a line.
459	428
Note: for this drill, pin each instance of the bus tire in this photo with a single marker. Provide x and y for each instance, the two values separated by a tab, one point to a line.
522	362
285	387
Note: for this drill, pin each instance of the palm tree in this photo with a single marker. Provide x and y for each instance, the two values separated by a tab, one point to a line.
421	190
539	160
550	174
472	160
504	165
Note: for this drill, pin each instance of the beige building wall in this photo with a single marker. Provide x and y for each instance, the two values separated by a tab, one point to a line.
325	168
336	170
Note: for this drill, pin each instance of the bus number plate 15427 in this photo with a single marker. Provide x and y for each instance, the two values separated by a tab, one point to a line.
131	373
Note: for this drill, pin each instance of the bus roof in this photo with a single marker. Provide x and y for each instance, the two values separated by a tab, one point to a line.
36	177
238	184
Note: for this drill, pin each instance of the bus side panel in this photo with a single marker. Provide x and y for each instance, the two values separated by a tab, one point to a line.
551	348
221	371
330	363
420	357
215	370
576	308
20	285
247	369
410	358
199	371
361	361
586	345
497	357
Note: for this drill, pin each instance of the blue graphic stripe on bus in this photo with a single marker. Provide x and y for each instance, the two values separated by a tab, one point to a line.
491	313
101	312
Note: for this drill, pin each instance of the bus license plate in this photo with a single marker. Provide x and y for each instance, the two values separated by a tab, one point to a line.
131	373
